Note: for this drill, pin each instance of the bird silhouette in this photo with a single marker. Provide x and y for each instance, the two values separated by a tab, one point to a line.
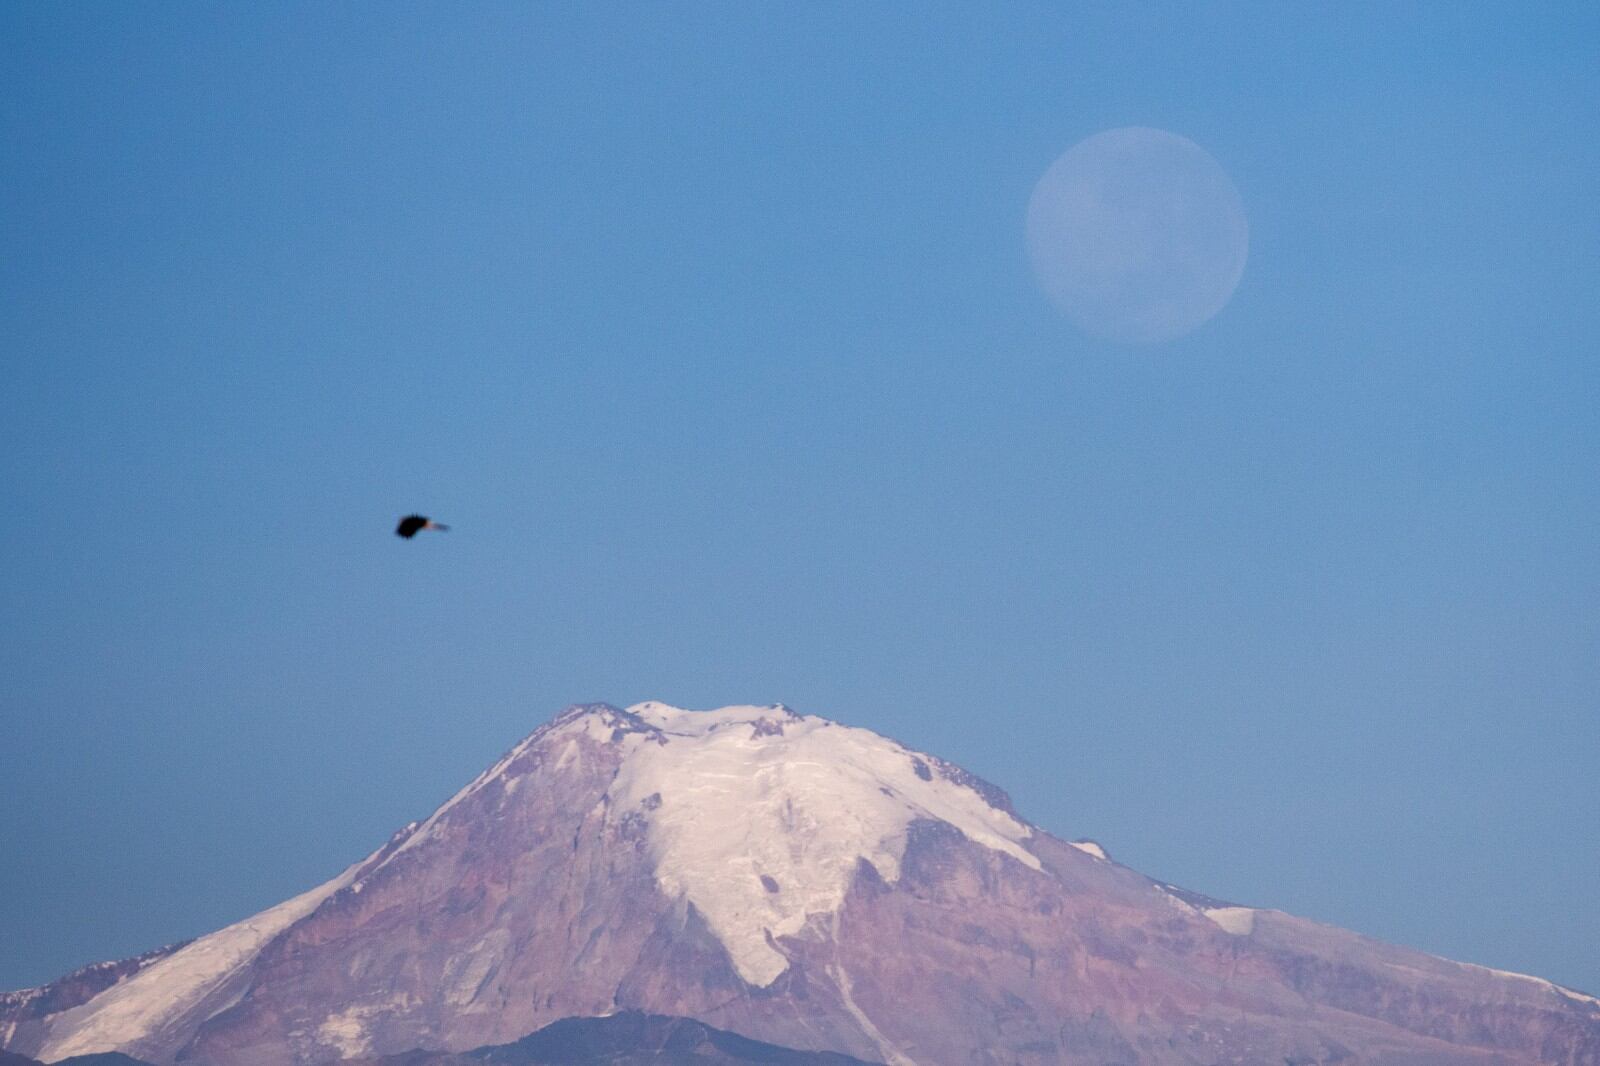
412	524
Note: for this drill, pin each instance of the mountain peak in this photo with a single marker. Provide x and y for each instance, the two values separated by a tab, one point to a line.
795	880
756	816
760	816
672	719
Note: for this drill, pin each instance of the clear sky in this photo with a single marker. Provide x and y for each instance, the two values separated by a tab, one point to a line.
711	331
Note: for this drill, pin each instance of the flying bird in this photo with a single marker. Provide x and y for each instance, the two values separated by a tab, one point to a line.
412	524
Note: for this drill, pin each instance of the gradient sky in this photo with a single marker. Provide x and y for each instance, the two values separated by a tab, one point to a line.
711	331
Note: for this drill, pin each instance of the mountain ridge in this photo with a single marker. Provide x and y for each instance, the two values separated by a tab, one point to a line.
795	881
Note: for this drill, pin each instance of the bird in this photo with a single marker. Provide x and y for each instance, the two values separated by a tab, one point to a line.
412	524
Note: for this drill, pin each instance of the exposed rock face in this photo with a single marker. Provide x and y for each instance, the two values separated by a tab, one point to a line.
798	882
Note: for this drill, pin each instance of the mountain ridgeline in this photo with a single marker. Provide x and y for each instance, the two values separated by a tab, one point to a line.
754	885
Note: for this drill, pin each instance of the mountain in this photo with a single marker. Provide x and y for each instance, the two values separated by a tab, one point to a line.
103	1058
798	882
624	1039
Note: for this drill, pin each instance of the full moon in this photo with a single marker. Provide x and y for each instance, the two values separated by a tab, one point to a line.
1137	235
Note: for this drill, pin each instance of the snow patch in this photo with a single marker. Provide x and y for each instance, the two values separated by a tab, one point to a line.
1089	847
346	1032
162	992
20	998
747	793
1240	921
596	728
1175	901
892	1055
466	974
1575	996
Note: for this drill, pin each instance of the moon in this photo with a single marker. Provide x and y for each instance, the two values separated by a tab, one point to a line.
1137	235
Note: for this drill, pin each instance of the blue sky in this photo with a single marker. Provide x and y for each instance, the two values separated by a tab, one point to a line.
711	331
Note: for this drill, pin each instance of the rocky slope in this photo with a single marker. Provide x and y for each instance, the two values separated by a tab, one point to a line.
626	1039
798	882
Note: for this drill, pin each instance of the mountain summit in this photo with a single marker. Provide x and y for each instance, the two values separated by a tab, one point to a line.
796	881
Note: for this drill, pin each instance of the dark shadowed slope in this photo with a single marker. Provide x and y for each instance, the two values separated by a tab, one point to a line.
626	1039
103	1058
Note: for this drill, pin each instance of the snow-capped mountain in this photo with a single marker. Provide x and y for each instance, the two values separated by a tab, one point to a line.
796	881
